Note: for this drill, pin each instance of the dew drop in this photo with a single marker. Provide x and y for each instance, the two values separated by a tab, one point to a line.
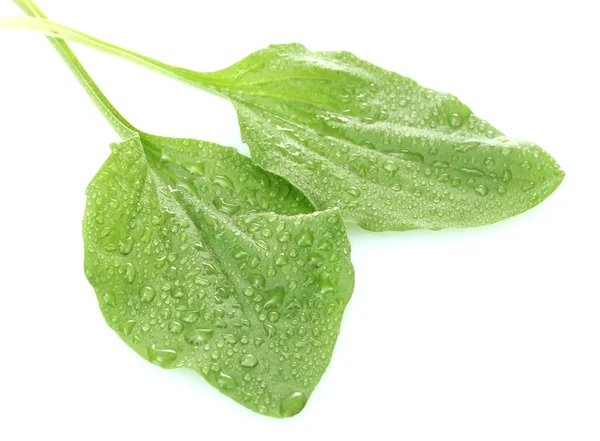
269	329
223	181
248	360
175	327
258	281
472	171
305	238
230	338
285	237
125	246
481	190
456	120
528	186
226	381
224	206
190	316
199	336
130	272
147	294
126	326
276	296
160	357
391	167
110	299
353	191
293	404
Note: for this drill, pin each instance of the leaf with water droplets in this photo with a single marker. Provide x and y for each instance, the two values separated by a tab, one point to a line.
211	292
391	154
183	249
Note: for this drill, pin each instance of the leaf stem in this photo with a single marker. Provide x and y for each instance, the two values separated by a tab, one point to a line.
114	117
52	29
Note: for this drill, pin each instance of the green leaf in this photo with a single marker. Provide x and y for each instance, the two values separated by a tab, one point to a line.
250	300
390	153
202	260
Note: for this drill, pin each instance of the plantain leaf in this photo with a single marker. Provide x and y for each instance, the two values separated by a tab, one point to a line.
202	260
391	154
250	300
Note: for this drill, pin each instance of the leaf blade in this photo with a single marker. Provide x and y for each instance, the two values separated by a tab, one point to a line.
186	285
391	154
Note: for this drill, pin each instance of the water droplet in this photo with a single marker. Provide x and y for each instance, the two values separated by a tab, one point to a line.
230	338
253	261
276	296
325	284
305	238
409	156
528	187
125	246
175	327
257	280
126	326
224	206
286	236
199	336
248	360
273	316
472	171
456	120
147	294
223	181
391	167
353	191
239	253
281	260
481	190
160	357
110	299
226	381
269	329
190	316
293	404
130	272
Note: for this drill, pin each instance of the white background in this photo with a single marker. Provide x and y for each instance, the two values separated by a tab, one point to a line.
485	334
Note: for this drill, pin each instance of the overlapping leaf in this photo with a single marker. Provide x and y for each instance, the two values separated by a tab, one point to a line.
391	154
191	275
202	260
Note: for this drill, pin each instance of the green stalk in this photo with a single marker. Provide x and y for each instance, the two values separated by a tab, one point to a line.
57	34
114	117
40	23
